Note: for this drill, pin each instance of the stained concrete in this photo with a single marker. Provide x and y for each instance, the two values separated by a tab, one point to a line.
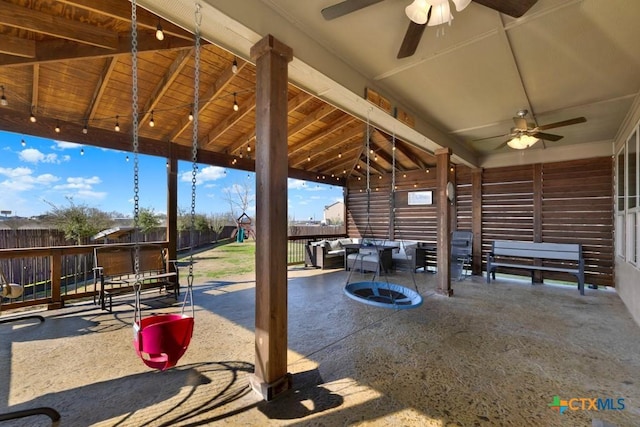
492	355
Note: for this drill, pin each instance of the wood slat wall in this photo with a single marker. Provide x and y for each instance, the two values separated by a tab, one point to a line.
551	202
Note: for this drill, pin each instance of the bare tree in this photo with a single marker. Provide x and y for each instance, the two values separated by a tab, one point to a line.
239	197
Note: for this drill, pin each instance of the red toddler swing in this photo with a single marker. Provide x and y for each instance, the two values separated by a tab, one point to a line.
160	340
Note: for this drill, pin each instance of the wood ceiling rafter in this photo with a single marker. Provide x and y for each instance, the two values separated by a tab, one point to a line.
294	103
318	114
403	148
172	73
212	93
122	11
100	87
63	50
34	87
332	161
32	20
222	127
336	135
316	137
380	138
381	155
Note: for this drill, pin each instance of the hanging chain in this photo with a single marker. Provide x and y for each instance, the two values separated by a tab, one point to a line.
194	154
136	169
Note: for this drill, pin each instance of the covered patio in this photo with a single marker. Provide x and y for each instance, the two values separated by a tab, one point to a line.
493	355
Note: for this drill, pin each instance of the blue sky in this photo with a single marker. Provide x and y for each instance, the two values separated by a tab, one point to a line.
43	170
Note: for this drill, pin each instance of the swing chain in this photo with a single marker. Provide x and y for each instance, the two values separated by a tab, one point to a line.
136	166
194	154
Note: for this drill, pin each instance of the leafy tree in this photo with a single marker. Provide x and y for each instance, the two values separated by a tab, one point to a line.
78	221
147	220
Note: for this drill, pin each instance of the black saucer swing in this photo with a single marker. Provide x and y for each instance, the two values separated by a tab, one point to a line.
382	294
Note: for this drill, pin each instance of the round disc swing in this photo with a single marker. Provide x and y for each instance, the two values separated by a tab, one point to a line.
160	340
373	292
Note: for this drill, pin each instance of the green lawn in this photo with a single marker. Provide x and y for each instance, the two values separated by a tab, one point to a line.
225	260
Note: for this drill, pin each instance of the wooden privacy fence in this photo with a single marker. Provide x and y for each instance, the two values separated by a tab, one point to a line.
562	202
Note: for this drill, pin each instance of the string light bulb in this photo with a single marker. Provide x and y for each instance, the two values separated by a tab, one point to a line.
117	126
3	99
57	128
340	155
126	158
234	66
249	148
152	122
82	151
235	103
32	117
159	33
191	115
85	129
23	143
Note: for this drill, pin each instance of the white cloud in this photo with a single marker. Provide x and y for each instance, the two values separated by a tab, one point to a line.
296	184
32	155
22	179
79	183
206	174
90	195
64	145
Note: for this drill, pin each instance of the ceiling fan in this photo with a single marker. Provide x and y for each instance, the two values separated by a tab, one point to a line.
524	134
421	13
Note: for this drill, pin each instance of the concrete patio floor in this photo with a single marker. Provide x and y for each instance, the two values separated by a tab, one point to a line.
492	355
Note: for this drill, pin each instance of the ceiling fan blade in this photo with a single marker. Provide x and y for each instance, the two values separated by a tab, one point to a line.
514	8
547	136
491	137
563	123
411	39
345	7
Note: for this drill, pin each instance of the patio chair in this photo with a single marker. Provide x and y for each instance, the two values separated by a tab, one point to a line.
461	252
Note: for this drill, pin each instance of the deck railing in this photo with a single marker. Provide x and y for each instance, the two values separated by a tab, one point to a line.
52	275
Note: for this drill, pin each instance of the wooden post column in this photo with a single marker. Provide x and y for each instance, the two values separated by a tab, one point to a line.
271	377
172	207
443	156
476	220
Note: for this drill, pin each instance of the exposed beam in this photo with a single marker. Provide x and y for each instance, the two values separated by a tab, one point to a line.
17	46
223	80
403	148
122	11
294	103
320	113
163	85
331	160
248	106
324	133
28	19
338	136
64	50
100	87
13	121
35	85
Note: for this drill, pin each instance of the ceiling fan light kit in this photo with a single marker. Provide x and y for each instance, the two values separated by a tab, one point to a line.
418	11
521	142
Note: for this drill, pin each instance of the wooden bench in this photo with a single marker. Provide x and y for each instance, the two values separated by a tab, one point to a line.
515	254
114	271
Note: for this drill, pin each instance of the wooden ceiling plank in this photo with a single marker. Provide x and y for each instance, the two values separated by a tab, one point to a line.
17	46
337	139
333	162
320	113
122	11
294	103
32	20
335	127
212	93
63	50
170	75
100	87
410	154
248	106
